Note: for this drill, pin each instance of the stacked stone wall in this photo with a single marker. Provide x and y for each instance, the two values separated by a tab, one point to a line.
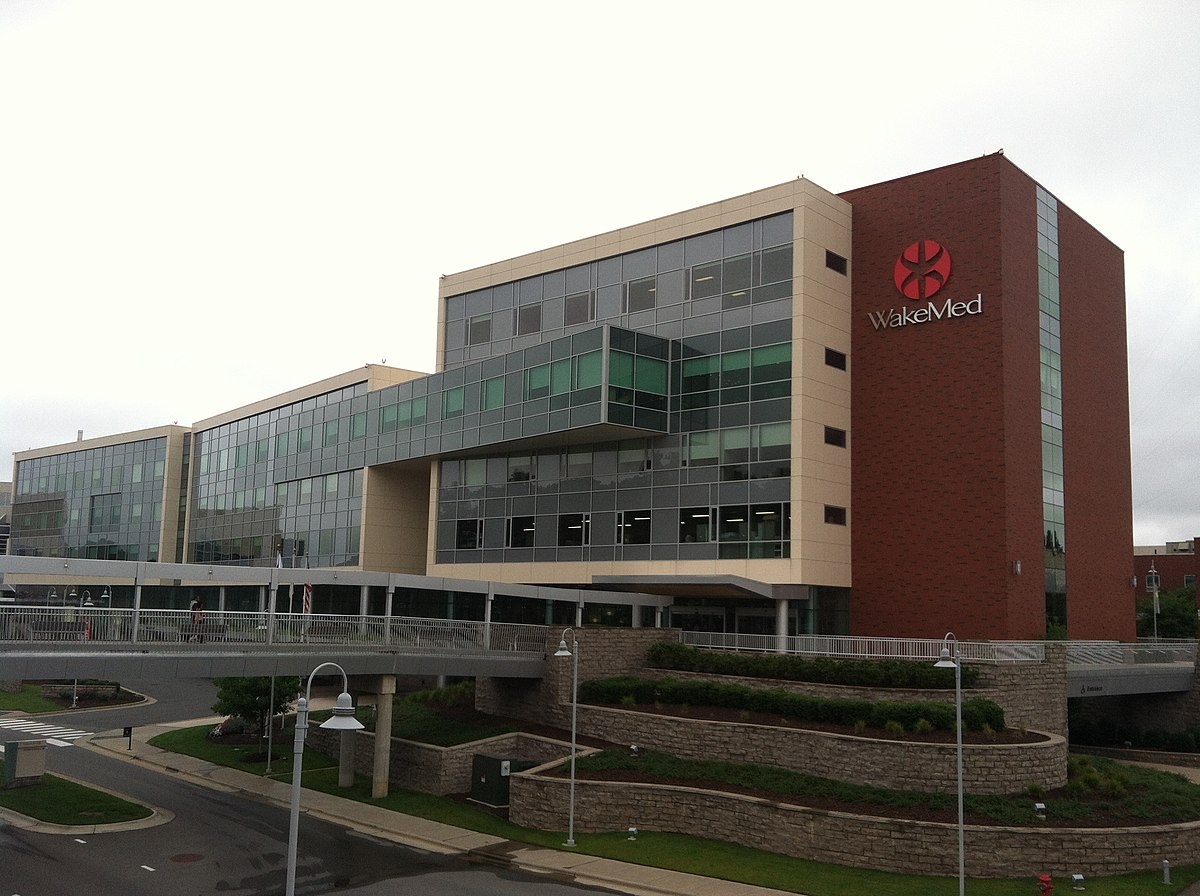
1032	695
894	764
910	847
603	653
436	770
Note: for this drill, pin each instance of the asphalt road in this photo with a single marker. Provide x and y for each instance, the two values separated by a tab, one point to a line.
219	842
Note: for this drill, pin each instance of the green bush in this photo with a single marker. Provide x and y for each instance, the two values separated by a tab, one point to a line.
459	694
628	690
788	667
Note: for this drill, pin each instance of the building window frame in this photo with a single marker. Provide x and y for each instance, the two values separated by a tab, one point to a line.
835	515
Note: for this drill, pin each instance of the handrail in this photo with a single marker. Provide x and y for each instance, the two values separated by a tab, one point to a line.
1079	653
871	648
106	629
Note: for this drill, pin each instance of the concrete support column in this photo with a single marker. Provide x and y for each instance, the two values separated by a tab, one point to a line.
579	615
636	611
658	617
364	598
137	609
387	613
781	626
270	610
221	599
487	617
381	767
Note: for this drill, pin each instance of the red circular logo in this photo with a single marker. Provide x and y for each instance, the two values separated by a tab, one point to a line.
922	269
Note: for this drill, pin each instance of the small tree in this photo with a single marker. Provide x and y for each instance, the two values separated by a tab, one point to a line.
250	698
1176	614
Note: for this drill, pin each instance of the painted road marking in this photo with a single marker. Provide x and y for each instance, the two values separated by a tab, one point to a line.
42	729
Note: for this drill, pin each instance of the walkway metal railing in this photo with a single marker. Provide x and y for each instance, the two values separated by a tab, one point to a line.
1145	652
179	631
1079	653
844	647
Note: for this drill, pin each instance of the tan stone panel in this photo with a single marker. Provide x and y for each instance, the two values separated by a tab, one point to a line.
137	435
395	520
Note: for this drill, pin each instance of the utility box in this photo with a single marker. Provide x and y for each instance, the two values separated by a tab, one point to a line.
24	763
490	778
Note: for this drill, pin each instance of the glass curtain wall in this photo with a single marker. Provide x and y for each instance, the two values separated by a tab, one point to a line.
1053	503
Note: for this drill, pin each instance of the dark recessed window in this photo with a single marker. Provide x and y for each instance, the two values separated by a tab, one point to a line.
529	319
834	358
579	308
469	534
574	529
633	527
695	524
479	330
835	516
520	532
639	294
836	262
835	436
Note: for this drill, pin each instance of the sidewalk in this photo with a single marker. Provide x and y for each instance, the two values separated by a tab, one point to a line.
408	830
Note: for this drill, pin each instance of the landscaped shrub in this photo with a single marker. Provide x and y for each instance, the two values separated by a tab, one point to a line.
787	667
1094	786
461	693
626	690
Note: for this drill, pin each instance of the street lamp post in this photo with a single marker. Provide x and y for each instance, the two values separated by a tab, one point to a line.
1152	581
342	720
572	651
955	662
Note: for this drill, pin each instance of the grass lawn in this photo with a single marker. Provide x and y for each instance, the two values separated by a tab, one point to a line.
244	757
28	699
675	851
418	721
60	801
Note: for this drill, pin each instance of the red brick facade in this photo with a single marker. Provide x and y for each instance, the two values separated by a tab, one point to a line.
946	420
1173	571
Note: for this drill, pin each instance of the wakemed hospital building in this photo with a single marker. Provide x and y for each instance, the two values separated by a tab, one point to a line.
897	411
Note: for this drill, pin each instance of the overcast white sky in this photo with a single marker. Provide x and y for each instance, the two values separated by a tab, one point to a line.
200	200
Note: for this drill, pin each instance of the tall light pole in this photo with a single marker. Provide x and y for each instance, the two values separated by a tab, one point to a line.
572	651
341	720
955	662
1152	581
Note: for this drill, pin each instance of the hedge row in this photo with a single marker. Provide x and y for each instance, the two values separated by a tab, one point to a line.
977	712
788	667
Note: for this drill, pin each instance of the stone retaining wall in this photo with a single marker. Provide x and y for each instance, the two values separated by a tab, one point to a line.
437	770
1032	695
604	653
910	847
893	764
